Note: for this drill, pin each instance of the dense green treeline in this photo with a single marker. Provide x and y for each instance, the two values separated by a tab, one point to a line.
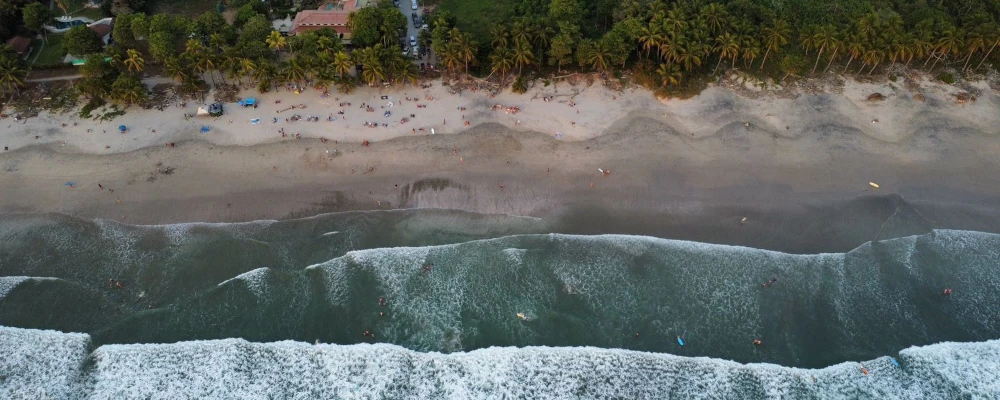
675	40
669	43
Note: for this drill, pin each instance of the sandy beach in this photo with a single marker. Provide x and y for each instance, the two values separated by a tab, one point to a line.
796	163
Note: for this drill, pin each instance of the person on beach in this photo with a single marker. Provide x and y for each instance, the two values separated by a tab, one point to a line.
757	342
947	292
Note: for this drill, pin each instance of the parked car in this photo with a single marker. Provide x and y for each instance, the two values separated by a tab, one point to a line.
414	6
406	50
413	42
424	26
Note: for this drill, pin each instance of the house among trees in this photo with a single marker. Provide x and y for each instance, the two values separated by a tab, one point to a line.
21	45
103	31
332	14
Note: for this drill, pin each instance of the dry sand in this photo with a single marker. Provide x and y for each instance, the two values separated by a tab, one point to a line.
679	168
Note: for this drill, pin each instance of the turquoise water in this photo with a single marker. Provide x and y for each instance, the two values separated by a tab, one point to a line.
454	283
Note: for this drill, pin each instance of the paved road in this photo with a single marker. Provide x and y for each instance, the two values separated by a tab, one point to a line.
405	6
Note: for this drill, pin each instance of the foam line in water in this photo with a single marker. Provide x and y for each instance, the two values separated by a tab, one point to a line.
46	364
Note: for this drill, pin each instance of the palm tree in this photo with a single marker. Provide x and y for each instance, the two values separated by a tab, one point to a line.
676	21
543	36
823	37
134	62
12	75
264	72
398	65
374	70
64	6
774	37
993	33
466	49
523	55
449	56
293	71
715	17
728	47
837	45
669	74
872	57
950	42
519	33
975	41
502	61
650	37
689	54
247	66
276	42
176	69
342	64
751	50
855	46
598	58
668	48
499	35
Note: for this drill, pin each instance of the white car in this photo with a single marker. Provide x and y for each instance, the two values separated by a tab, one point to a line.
413	6
413	41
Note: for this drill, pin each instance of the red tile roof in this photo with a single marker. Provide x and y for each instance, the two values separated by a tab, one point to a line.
19	43
317	19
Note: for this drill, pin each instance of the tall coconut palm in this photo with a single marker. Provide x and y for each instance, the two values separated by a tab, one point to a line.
951	42
716	18
543	36
519	33
276	42
466	50
993	35
523	55
676	21
751	50
12	75
670	75
855	46
342	64
502	60
728	47
177	69
293	71
374	71
975	41
689	54
823	37
774	38
650	37
264	72
668	48
599	57
499	34
134	62
449	56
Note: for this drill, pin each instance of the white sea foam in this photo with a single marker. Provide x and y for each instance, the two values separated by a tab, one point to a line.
255	280
45	364
38	364
8	283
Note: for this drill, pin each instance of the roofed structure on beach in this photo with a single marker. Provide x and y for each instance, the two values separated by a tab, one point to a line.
333	15
21	45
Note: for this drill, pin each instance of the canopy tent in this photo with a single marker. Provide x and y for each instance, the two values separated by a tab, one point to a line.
205	129
248	102
123	128
214	110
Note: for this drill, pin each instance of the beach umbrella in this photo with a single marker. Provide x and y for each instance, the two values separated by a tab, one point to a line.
70	184
205	129
122	128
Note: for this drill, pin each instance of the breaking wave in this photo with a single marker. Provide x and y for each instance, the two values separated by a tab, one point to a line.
46	364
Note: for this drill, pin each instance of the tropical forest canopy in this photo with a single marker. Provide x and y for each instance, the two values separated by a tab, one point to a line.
668	43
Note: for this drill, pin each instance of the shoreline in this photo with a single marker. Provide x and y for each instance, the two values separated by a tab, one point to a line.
689	173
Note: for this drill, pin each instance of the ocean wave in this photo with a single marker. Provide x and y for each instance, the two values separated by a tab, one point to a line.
458	292
51	364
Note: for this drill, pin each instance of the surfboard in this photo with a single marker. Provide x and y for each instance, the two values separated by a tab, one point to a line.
680	341
894	362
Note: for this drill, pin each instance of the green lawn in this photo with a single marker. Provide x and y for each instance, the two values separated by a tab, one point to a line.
51	53
476	16
189	8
